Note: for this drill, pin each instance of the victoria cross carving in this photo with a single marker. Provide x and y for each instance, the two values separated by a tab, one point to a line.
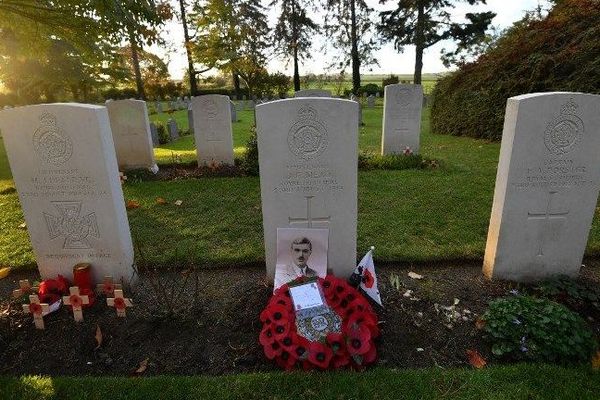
70	224
307	137
50	143
565	131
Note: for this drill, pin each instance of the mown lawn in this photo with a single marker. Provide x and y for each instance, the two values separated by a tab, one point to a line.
522	382
410	216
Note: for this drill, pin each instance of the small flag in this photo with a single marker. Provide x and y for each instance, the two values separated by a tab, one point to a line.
368	283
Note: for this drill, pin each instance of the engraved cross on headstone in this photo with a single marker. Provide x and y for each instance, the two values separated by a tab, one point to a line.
546	216
309	218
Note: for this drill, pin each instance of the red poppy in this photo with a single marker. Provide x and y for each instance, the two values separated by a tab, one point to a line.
119	303
341	360
370	356
75	301
368	279
319	354
335	340
273	350
266	337
52	290
286	360
363	319
278	313
90	295
108	289
358	340
265	316
35	308
280	329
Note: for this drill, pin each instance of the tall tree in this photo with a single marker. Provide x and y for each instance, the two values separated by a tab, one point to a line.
233	37
294	32
192	73
349	24
423	23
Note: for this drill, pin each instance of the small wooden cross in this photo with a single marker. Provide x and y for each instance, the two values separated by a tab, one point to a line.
37	309
119	302
107	287
24	288
76	300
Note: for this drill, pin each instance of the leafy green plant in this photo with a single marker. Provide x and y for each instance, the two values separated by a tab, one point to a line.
163	135
528	328
249	163
371	161
569	291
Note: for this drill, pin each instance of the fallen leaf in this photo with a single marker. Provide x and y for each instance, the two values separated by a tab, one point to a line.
475	359
161	201
596	361
142	367
23	225
414	275
480	323
4	272
98	337
178	202
132	204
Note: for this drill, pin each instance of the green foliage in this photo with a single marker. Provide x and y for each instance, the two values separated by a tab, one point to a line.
372	161
391	80
250	160
558	53
272	84
163	135
570	291
528	328
369	89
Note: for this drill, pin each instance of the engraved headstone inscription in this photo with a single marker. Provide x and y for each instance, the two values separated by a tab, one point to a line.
63	161
308	151
131	132
546	186
212	129
313	93
401	130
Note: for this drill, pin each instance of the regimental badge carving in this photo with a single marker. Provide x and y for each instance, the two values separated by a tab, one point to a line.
70	224
403	97
565	131
211	109
50	142
307	138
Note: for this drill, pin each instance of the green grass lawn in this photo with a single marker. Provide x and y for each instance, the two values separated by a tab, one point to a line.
516	382
410	215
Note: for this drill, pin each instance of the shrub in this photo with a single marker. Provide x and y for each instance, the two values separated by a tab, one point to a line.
391	80
527	328
560	52
249	163
571	292
163	135
369	89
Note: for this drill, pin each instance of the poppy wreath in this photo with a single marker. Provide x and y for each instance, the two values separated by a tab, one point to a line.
353	347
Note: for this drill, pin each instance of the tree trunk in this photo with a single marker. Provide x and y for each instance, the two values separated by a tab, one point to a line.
186	35
354	51
420	42
136	66
236	85
295	46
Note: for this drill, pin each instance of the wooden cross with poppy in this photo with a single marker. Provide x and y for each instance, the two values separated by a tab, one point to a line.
24	288
76	301
36	309
107	287
119	303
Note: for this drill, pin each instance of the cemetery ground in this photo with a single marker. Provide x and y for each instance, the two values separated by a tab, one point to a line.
208	252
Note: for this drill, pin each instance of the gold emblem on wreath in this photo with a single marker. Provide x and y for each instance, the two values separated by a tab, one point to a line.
307	138
50	142
565	131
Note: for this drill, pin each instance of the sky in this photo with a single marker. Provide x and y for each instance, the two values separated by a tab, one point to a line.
391	62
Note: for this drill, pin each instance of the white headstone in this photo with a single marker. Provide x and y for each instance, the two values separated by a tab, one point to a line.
371	101
233	111
131	134
308	152
63	161
313	93
173	129
402	106
154	134
546	186
212	129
